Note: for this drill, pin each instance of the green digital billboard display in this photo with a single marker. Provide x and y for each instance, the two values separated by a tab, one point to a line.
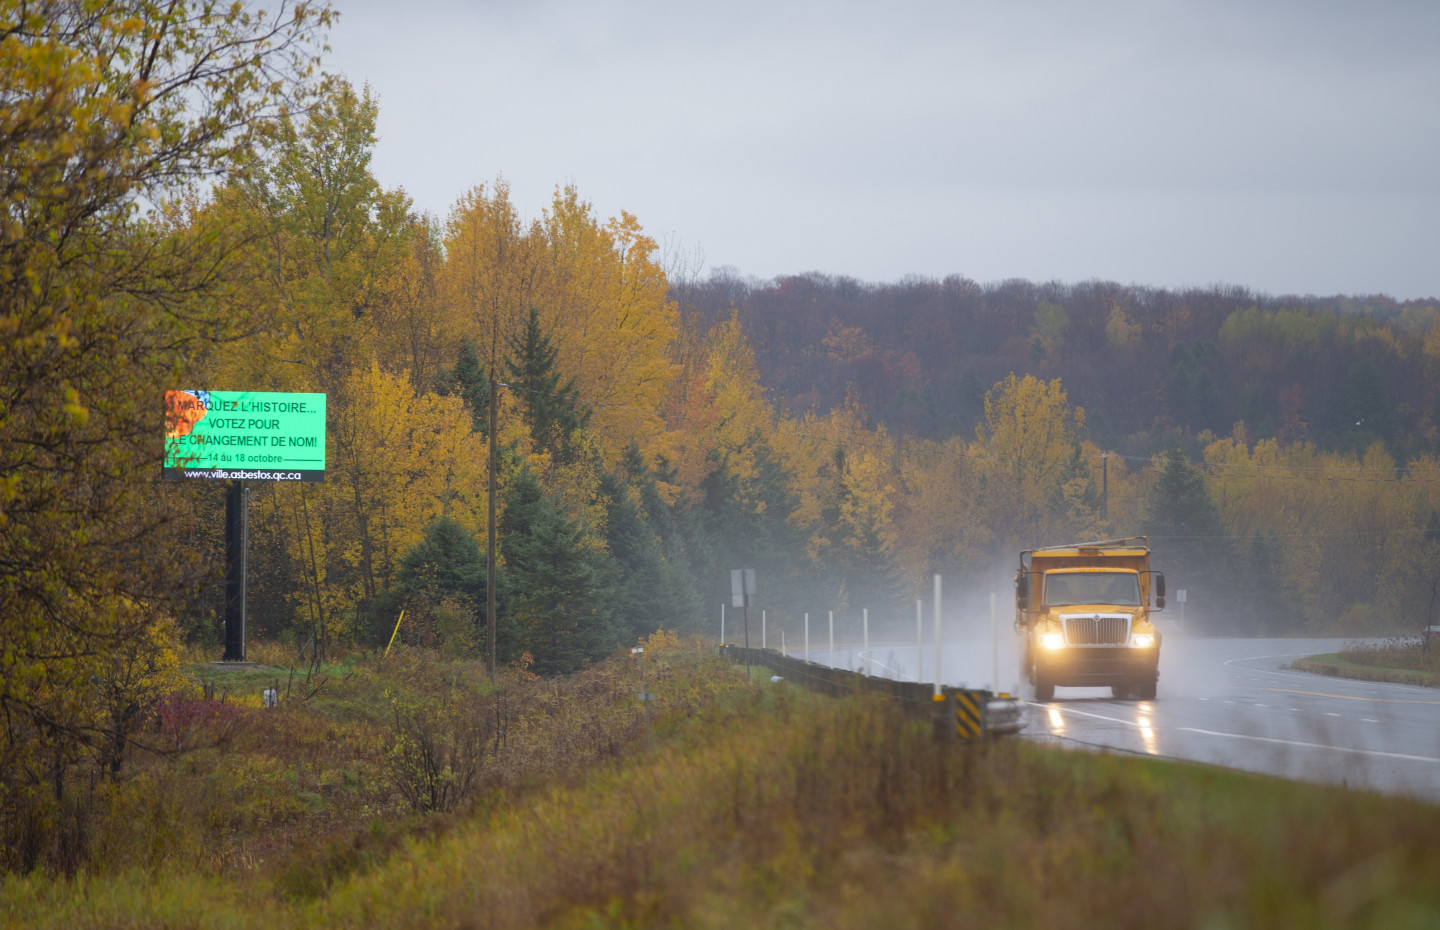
247	435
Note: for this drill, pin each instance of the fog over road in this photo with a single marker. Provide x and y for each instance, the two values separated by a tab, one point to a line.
1229	702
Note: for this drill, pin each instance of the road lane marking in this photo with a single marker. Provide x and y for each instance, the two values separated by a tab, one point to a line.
1291	742
1369	720
1261	739
1331	713
1351	697
1085	713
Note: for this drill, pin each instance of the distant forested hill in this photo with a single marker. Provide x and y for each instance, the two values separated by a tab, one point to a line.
1150	366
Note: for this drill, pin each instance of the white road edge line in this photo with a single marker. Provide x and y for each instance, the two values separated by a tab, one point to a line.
1262	739
1291	742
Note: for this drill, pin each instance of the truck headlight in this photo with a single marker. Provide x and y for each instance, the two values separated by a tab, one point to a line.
1142	640
1052	640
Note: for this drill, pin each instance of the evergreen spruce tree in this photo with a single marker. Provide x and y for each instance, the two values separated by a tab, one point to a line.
744	523
651	591
551	407
1188	540
558	586
472	383
1261	586
441	585
469	380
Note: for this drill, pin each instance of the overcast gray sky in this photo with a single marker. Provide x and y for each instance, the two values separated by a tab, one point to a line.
1290	147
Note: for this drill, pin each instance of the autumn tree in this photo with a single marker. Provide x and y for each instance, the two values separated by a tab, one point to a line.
604	303
491	271
110	113
938	524
1025	445
322	236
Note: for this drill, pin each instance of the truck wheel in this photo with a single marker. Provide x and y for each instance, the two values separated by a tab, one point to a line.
1120	692
1044	687
1146	689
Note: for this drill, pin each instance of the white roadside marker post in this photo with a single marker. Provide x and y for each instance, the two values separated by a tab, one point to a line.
865	625
937	635
994	647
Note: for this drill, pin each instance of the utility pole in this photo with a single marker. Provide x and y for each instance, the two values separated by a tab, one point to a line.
490	533
1105	488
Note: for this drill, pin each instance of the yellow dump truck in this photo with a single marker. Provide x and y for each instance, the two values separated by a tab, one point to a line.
1084	611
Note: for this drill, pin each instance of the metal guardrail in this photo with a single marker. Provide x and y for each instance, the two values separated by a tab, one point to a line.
978	713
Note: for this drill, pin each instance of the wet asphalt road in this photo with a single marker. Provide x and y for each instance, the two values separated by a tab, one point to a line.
1235	702
1228	702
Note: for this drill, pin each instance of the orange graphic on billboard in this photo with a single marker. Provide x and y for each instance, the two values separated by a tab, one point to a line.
183	410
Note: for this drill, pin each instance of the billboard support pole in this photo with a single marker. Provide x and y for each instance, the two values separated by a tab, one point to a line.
244	569
234	573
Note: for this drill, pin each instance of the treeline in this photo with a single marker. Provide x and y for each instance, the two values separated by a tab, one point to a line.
1152	366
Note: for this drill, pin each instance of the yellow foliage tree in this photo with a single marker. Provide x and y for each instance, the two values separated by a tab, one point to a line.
398	460
1026	440
606	307
715	414
323	240
492	272
941	528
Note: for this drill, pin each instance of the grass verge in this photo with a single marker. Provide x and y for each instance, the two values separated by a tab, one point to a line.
764	805
1399	661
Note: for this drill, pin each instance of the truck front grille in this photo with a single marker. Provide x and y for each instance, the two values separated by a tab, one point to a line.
1097	631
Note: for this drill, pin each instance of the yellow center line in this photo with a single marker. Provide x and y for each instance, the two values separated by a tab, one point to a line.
1347	697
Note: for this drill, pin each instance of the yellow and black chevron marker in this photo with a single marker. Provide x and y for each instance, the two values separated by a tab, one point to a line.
969	705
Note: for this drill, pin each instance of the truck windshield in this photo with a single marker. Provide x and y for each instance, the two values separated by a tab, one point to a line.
1121	589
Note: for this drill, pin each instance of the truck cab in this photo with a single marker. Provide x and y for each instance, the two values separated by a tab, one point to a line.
1085	612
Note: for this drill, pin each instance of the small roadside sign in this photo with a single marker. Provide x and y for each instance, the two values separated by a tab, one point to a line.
1180	596
742	586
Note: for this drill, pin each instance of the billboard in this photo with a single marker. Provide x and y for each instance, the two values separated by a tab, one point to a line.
249	435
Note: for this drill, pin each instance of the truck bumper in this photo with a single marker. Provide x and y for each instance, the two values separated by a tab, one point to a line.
1097	666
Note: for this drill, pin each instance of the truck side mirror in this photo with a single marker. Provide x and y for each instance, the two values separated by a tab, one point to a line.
1022	591
1159	591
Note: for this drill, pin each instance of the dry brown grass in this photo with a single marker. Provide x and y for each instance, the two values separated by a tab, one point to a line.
768	806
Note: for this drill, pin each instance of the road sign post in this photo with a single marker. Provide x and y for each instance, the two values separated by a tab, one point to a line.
645	695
